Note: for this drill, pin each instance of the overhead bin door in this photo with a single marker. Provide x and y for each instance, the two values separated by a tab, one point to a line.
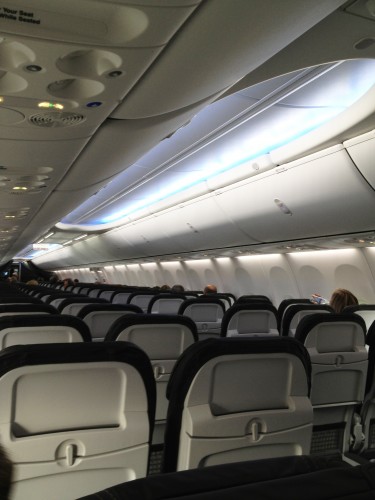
324	193
362	151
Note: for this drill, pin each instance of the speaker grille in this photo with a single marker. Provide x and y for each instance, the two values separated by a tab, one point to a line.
56	119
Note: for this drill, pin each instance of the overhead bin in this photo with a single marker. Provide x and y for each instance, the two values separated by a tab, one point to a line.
362	151
321	194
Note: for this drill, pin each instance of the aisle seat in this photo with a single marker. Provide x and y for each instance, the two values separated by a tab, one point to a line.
75	418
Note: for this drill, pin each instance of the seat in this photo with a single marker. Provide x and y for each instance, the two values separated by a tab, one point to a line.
226	298
75	418
367	448
56	298
165	303
250	319
100	317
107	294
366	311
163	338
121	297
286	303
336	345
141	299
291	478
20	309
295	312
206	312
237	399
94	292
19	299
42	328
73	305
252	298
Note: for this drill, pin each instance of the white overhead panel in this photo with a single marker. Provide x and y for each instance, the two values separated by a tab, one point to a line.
240	27
65	66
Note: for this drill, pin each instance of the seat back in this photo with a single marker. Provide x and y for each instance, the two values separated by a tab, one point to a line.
250	319
252	298
73	305
163	338
100	317
67	433
141	299
19	299
291	478
107	294
56	298
206	312
339	359
21	309
295	312
286	303
226	298
236	399
42	328
165	303
366	311
368	407
121	297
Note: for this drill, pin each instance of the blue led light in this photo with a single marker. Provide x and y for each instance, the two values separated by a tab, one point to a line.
93	104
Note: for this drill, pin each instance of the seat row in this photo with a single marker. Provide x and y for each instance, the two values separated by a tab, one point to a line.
83	414
214	314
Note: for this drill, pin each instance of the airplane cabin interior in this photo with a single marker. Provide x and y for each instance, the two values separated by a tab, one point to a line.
149	148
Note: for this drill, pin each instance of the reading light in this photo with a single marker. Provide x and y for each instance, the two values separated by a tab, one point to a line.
51	105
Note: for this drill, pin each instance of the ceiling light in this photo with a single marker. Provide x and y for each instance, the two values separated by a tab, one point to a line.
20	188
80	237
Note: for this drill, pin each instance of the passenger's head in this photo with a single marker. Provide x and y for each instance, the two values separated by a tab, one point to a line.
32	282
177	289
210	289
165	288
6	468
67	282
341	298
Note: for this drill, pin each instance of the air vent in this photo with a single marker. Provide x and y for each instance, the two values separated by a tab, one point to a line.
56	119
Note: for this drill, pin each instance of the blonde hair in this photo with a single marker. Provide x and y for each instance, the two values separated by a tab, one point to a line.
342	298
